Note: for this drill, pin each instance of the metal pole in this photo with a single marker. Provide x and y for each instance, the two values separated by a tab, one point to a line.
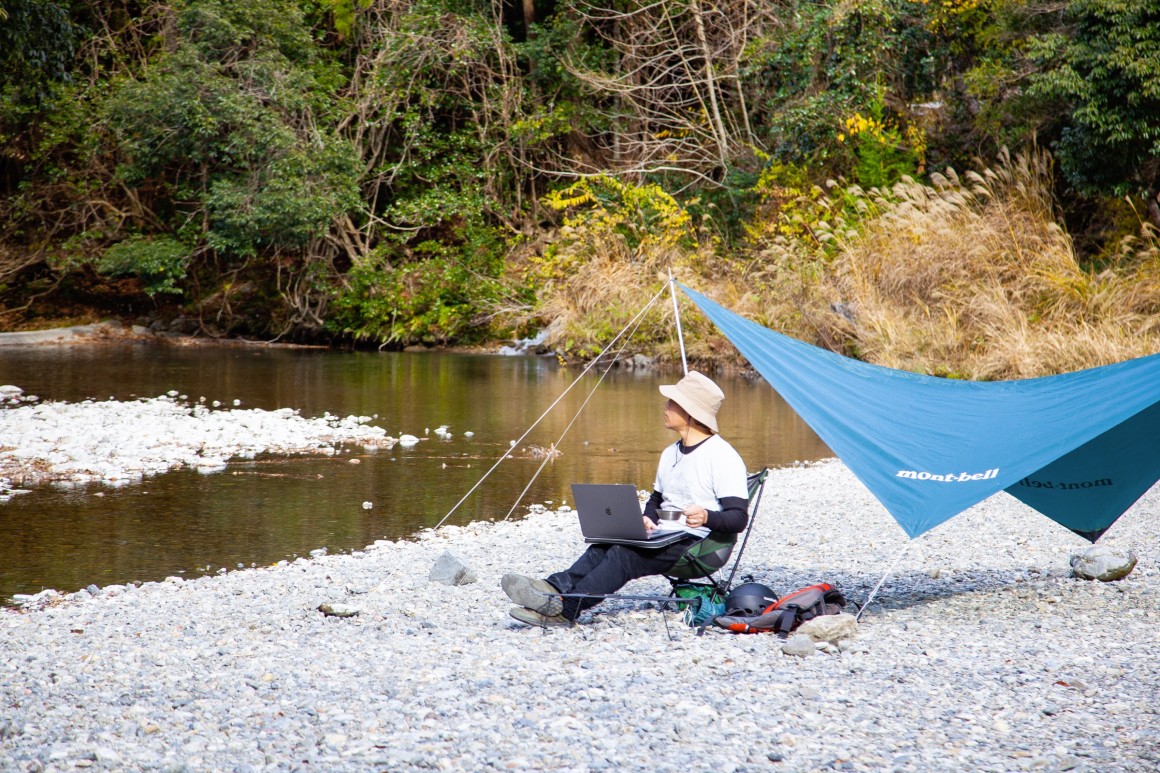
677	316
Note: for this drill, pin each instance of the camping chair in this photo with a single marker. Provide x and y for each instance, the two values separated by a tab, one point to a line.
708	556
703	560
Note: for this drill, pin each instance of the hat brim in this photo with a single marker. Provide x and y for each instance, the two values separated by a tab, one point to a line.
673	393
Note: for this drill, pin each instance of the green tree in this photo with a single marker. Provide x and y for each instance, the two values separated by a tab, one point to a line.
224	142
824	74
447	128
37	43
223	130
1104	78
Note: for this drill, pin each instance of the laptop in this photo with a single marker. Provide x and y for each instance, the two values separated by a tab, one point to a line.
611	512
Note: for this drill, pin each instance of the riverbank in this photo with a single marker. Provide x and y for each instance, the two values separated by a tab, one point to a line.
180	333
980	653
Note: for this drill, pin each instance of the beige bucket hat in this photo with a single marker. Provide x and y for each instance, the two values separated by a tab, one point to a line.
698	395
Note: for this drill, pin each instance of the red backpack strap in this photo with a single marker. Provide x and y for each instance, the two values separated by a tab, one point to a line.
795	596
795	607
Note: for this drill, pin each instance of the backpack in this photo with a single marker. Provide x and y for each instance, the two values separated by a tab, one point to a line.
790	611
701	602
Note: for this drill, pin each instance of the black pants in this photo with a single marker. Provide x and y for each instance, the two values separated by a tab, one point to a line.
606	568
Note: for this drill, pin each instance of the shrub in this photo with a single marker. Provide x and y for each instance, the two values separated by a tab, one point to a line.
441	295
605	261
158	261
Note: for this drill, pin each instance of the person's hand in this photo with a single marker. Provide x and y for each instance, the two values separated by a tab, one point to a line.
695	516
648	524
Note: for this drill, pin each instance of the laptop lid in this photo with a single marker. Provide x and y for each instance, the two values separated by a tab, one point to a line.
609	511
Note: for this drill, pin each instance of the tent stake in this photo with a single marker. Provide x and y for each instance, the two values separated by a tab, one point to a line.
870	598
677	317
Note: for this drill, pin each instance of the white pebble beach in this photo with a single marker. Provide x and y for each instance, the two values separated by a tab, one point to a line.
979	653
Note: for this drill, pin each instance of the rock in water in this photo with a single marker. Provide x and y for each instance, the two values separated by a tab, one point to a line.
1100	562
450	569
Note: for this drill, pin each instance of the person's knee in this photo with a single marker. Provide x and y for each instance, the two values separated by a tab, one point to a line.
628	562
621	553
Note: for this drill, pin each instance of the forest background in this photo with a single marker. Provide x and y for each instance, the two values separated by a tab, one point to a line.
966	188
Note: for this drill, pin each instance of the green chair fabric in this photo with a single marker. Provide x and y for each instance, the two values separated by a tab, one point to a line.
708	556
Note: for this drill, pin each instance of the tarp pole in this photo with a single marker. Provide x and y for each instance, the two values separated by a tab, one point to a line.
677	316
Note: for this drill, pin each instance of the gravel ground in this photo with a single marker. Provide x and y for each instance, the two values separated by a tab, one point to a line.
980	653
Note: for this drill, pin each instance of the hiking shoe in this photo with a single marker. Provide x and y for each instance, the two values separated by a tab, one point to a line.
532	617
537	595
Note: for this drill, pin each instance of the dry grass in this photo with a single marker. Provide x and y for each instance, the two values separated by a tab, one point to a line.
600	294
968	278
977	280
595	291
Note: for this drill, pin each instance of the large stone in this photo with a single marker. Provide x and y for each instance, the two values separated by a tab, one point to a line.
830	628
1100	562
338	610
450	569
800	645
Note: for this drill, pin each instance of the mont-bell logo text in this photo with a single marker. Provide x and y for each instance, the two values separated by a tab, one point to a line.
949	477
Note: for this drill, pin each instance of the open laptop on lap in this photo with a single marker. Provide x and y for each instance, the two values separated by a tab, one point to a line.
611	512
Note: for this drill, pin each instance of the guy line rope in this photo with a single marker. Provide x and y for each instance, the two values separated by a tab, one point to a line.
633	323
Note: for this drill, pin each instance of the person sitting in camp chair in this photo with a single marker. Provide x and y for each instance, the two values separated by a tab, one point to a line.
700	474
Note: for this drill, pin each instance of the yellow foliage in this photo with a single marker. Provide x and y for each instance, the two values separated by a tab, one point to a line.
859	124
916	138
573	196
615	242
644	215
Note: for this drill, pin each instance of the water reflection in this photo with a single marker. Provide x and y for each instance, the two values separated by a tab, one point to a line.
263	510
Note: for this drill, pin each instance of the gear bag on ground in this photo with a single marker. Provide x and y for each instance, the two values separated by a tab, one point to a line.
788	612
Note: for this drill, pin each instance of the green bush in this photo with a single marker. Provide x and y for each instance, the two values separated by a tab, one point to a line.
440	286
222	132
434	301
882	156
158	261
1105	75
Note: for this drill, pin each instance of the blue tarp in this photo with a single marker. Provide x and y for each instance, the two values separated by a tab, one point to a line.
1079	447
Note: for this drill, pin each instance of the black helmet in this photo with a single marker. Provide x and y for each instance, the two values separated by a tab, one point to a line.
750	599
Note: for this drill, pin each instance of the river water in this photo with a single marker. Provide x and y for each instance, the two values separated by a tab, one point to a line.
260	511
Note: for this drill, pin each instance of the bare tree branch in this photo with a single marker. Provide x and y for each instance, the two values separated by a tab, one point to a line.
675	94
